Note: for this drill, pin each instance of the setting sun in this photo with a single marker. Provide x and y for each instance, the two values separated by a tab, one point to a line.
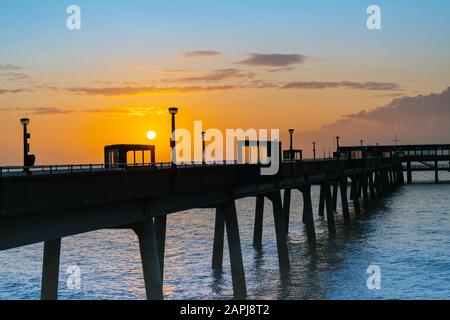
151	135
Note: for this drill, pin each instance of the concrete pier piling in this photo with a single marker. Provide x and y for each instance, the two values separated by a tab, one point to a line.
330	209
355	187
364	185
219	234
280	230
335	194
409	172
287	207
161	229
228	210
308	216
226	216
259	220
322	202
150	259
372	187
343	184
50	270
436	172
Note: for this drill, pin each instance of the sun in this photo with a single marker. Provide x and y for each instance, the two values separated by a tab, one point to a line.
151	135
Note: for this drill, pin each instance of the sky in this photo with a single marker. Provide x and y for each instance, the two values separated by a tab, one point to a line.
309	65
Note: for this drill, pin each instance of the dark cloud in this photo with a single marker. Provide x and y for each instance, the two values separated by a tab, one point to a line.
420	109
216	75
201	53
419	119
273	60
276	70
387	86
19	90
9	67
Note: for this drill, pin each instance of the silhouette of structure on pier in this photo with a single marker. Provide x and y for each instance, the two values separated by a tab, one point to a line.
432	157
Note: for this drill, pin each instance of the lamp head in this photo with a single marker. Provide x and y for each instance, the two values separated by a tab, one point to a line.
24	121
173	111
291	131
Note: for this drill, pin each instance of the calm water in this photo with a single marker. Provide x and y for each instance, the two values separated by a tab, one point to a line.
407	235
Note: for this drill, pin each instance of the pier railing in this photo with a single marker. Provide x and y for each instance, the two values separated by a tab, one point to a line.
80	168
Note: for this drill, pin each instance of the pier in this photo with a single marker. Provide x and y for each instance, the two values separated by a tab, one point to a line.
48	203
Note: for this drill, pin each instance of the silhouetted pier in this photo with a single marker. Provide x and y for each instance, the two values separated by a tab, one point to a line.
45	204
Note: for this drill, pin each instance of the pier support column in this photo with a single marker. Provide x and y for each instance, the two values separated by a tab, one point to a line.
371	186
402	177
219	234
287	207
409	172
150	259
436	172
386	180
364	190
330	210
352	189
356	204
280	229
343	183
379	185
259	218
50	269
228	210
160	229
391	178
322	202
308	216
335	194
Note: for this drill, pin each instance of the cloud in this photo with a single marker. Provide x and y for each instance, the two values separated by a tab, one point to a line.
142	68
131	111
9	67
171	71
15	76
216	75
19	90
386	86
415	120
273	60
130	90
276	70
201	54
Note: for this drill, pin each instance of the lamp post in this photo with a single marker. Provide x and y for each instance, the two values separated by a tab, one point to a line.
337	147
26	147
173	111
291	145
314	150
203	148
